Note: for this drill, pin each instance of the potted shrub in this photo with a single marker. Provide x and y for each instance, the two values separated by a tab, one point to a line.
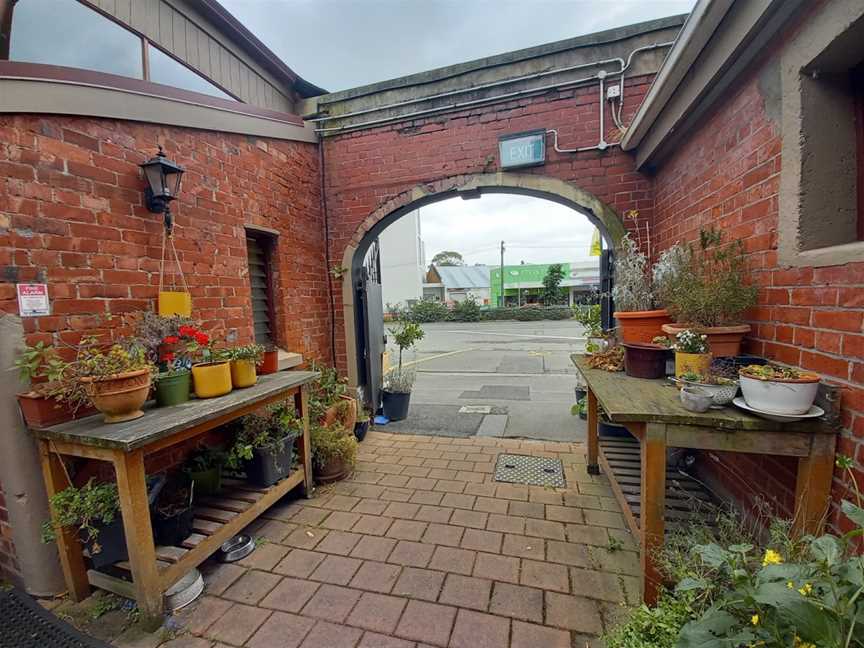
172	513
264	446
589	316
330	402
117	381
269	361
706	289
204	469
212	376
778	390
632	294
243	362
692	353
580	408
399	382
361	427
51	398
333	453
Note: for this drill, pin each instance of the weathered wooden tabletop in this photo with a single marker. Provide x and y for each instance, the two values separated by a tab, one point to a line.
160	422
629	400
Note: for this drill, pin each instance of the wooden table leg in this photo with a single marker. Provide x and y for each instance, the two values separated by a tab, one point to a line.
593	432
813	486
68	546
653	506
301	401
132	491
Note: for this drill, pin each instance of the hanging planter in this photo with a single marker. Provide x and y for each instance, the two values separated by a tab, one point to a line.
172	302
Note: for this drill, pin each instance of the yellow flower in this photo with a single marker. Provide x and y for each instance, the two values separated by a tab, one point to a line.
772	558
806	589
803	644
754	619
790	585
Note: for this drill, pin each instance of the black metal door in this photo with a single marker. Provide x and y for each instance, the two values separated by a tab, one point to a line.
606	275
372	341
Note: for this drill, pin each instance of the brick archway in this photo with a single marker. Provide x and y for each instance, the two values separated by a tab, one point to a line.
603	216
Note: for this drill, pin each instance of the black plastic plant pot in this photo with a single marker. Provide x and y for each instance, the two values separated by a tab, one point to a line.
172	530
207	482
396	405
266	467
112	544
360	429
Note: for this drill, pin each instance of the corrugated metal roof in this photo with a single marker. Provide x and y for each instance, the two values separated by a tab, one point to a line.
476	276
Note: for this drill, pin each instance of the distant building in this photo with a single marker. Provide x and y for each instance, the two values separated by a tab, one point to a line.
523	284
403	261
452	284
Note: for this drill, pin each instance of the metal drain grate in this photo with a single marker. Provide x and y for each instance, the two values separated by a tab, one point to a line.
26	624
536	471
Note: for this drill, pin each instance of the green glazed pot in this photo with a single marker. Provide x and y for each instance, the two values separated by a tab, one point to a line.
173	390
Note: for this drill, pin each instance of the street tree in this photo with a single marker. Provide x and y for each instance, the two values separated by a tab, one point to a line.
552	284
448	258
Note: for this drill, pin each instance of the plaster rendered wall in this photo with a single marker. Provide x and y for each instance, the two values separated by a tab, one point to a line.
402	269
727	175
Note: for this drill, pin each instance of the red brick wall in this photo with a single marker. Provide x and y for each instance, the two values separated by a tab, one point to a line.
368	168
727	175
71	214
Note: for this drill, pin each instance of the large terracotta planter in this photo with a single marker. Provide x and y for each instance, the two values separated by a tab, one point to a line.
641	326
724	341
121	396
43	411
334	470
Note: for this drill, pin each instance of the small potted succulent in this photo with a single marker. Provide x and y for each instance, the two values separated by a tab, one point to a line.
334	453
243	362
633	296
204	469
399	382
117	381
776	389
264	445
269	360
706	288
692	353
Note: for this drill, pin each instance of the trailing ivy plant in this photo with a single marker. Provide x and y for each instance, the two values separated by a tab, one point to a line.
88	507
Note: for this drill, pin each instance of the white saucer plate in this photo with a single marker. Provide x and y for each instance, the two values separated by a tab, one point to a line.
814	412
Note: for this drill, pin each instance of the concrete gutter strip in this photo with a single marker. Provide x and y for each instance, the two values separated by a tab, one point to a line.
697	31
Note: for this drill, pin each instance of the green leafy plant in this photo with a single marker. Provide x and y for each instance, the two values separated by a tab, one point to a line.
204	459
94	362
326	391
406	335
40	362
467	310
268	432
579	407
332	444
656	627
632	289
589	316
689	341
428	311
85	507
253	352
706	285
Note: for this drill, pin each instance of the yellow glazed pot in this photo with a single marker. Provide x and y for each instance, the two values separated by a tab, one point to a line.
698	363
211	379
174	303
243	373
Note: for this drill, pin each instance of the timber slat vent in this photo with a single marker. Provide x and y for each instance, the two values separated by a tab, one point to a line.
258	251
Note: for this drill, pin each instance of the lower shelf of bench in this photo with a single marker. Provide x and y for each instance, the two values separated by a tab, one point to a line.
686	499
216	520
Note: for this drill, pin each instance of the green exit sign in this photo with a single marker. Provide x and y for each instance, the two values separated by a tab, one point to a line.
522	149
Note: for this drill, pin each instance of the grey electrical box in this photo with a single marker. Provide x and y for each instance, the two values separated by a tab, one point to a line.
613	91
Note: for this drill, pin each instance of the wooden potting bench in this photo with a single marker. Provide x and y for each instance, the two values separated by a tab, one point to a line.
125	445
654	416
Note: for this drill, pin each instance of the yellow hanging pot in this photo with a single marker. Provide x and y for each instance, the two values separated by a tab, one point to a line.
175	303
211	379
243	373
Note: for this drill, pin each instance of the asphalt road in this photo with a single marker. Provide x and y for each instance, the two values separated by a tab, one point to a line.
511	379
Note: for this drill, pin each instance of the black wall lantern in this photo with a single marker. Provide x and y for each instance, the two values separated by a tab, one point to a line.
163	180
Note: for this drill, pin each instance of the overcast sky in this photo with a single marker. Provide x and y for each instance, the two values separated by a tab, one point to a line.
339	44
533	230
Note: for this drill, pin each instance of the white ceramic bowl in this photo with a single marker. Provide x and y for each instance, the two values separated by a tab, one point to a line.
790	398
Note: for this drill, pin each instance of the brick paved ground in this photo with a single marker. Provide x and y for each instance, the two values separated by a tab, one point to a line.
421	548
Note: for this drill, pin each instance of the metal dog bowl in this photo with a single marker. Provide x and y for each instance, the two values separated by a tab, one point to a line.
184	591
236	548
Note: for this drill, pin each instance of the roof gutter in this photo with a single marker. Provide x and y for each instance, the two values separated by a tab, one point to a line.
694	35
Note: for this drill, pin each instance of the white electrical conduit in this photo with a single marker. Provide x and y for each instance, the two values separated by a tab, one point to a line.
454	106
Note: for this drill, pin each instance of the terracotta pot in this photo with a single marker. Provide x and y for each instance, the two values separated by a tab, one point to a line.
121	396
724	341
698	363
42	411
269	363
334	470
641	326
337	413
